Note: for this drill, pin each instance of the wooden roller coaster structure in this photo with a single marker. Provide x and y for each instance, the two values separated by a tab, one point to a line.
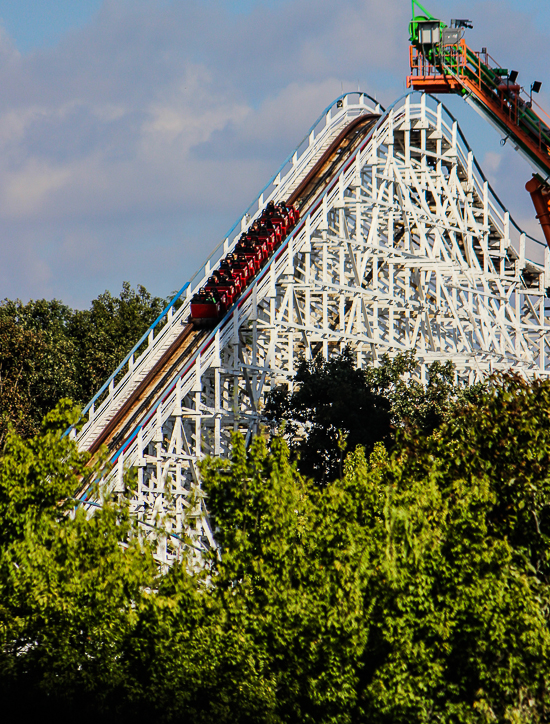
176	356
400	244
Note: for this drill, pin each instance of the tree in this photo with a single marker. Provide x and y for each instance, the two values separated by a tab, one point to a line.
332	407
106	332
71	586
423	406
49	352
37	362
460	578
413	589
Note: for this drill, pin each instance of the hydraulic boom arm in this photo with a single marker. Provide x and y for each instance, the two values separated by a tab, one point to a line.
442	62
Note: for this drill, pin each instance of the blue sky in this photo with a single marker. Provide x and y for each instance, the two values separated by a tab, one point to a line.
134	132
36	24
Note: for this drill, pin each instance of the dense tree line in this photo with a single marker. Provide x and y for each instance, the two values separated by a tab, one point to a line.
49	351
383	548
412	588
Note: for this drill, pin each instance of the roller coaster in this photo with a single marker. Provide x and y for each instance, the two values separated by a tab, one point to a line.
379	232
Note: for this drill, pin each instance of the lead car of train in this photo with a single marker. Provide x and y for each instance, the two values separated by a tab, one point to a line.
254	248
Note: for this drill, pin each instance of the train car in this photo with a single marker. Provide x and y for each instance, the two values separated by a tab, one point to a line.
269	238
205	308
238	276
254	248
275	229
224	276
245	267
251	253
223	285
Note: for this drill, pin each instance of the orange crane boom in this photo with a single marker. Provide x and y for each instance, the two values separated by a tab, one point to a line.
442	62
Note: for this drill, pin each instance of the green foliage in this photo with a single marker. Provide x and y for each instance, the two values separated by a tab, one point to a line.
48	351
37	366
414	588
332	402
334	407
463	581
107	331
413	404
71	588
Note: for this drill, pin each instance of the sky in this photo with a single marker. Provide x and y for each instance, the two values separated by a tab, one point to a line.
134	133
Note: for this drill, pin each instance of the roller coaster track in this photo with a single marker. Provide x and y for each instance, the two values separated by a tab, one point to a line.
176	357
152	385
401	244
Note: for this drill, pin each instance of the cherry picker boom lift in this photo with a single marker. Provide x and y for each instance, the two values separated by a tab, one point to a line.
442	62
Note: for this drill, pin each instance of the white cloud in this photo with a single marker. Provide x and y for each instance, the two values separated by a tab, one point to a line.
28	190
187	115
491	163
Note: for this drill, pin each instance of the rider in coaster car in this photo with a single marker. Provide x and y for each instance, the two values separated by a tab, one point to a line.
204	297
